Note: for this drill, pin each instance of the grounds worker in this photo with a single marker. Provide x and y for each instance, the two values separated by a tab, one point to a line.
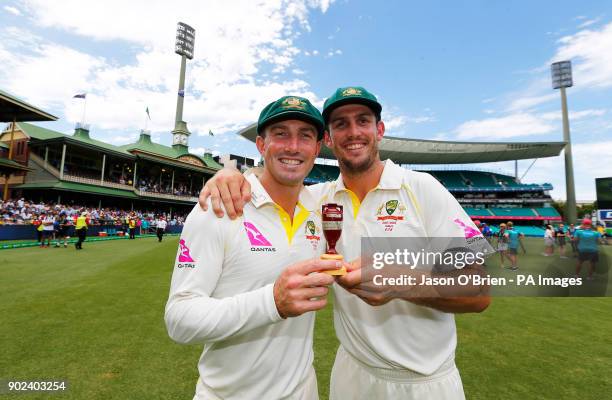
391	346
81	230
132	226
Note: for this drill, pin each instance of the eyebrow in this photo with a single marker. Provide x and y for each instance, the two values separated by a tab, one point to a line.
364	114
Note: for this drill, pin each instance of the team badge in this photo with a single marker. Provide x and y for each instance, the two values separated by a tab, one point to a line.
391	206
351	92
293	102
312	233
395	212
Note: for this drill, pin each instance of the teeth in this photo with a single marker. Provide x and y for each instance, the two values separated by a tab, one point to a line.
290	162
354	146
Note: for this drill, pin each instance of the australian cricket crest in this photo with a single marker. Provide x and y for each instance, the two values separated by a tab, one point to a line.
312	233
389	213
293	102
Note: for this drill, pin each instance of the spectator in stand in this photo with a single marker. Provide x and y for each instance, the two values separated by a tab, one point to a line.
549	241
560	239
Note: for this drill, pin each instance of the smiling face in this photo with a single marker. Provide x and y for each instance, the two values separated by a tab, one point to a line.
289	149
353	135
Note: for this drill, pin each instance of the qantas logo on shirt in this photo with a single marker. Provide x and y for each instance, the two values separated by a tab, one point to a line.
257	239
184	258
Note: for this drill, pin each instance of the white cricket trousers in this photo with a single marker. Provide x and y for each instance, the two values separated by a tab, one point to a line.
307	390
353	380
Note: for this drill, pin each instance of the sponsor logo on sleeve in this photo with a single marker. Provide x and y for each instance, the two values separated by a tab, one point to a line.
184	258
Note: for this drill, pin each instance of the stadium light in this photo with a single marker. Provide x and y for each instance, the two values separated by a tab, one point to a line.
561	73
184	46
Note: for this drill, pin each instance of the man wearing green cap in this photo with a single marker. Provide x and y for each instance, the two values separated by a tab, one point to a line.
245	288
392	345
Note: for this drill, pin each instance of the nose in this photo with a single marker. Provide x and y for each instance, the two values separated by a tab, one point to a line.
292	145
352	130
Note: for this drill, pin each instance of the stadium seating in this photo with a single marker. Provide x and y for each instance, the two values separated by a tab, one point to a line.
449	178
513	212
547	212
323	173
477	212
481	179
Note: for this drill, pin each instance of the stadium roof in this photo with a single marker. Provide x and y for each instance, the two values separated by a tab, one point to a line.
78	187
9	166
12	108
144	145
418	151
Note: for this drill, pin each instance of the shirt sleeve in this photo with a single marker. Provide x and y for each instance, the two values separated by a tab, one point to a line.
443	216
192	314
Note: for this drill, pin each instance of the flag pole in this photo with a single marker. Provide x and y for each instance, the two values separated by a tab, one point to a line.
84	110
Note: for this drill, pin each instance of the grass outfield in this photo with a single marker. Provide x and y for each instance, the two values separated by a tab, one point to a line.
95	317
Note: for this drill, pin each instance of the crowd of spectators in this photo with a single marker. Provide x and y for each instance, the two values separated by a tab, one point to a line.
153	185
26	212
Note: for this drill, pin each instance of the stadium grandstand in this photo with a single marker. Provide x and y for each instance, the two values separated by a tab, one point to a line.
487	196
66	168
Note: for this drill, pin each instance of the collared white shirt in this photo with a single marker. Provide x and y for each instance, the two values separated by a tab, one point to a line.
222	295
399	334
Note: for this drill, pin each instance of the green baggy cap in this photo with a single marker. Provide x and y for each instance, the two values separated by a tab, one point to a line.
351	95
291	107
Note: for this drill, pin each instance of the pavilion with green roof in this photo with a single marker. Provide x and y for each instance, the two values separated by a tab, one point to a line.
76	167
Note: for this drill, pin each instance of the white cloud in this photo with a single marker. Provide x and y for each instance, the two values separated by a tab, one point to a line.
225	89
573	115
588	159
526	103
421	119
591	55
589	22
13	10
394	122
513	125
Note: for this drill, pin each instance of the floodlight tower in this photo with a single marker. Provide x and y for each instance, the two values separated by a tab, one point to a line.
185	40
562	78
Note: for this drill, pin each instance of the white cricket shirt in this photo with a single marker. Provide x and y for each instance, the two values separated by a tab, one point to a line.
399	334
222	295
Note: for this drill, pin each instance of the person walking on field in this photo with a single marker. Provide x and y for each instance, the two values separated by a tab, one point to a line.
502	244
560	235
81	228
161	227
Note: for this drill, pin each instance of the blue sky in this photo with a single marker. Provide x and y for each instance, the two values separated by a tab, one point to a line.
469	71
